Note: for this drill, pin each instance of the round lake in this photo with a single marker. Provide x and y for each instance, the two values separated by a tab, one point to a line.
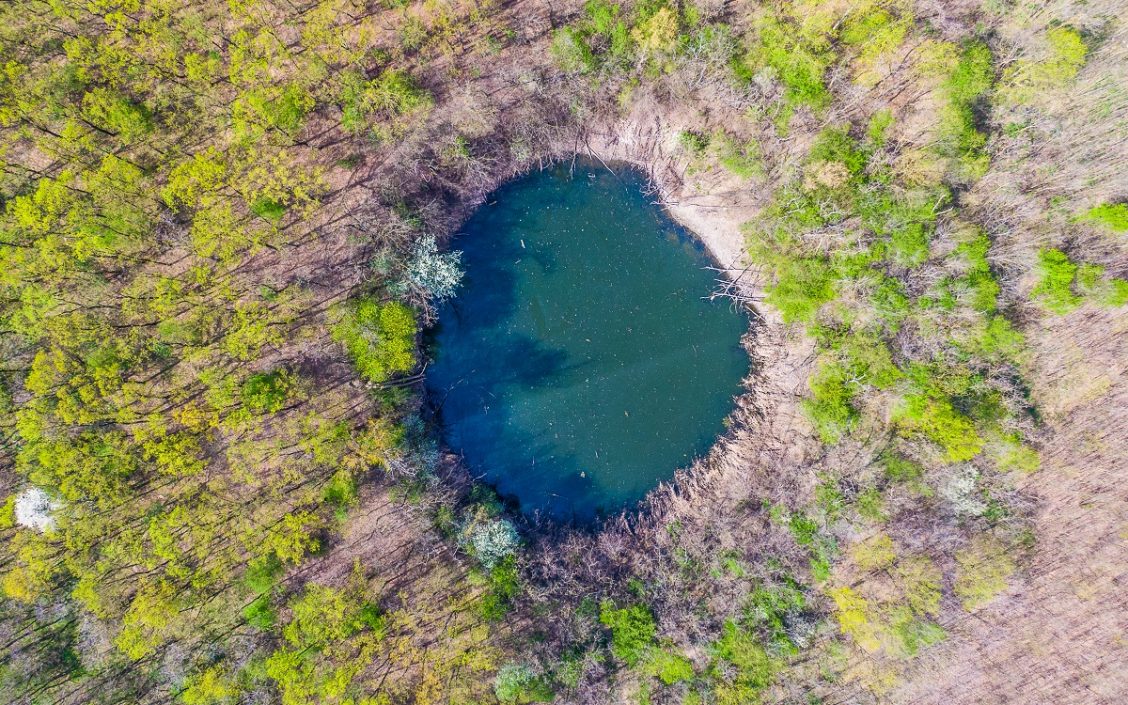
579	365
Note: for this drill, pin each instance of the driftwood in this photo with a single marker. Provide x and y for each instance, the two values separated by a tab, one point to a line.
730	287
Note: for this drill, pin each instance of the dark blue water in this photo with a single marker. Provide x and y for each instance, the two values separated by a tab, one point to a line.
579	364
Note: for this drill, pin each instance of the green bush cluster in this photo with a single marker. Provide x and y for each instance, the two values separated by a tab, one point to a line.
608	38
830	406
379	337
517	684
694	142
741	667
633	631
668	666
387	105
1113	216
960	139
267	392
503	586
1067	54
1063	285
798	58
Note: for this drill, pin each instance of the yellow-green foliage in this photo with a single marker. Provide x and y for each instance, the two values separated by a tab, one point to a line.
210	687
1012	454
632	631
388	105
333	634
1066	54
938	421
1113	216
854	618
741	158
379	337
1055	279
658	33
150	616
875	553
919	580
830	405
874	32
668	665
741	666
798	56
1064	284
899	626
959	138
984	568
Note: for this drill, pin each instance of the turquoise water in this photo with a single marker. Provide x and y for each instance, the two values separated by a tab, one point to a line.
579	365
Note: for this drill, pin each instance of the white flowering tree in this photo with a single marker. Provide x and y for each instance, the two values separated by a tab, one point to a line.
437	274
961	490
493	541
33	509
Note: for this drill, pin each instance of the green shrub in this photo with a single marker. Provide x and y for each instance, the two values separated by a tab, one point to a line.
693	142
874	31
878	127
995	337
389	103
116	113
1056	273
938	421
260	613
633	630
516	684
972	76
901	469
830	406
504	585
669	666
803	528
268	209
909	634
1013	454
267	392
959	138
1113	216
802	286
752	667
834	144
799	59
890	305
871	505
340	492
910	244
271	108
262	573
867	358
770	613
379	337
571	51
829	498
604	16
1092	283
